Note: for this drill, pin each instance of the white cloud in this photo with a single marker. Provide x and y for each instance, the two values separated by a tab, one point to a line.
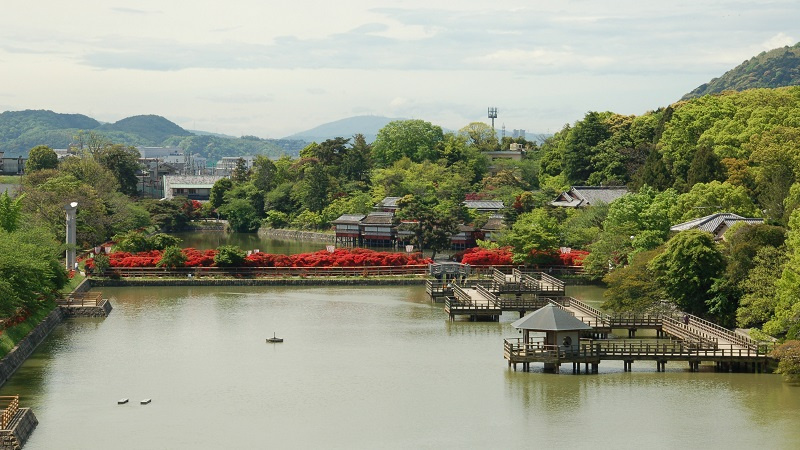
230	67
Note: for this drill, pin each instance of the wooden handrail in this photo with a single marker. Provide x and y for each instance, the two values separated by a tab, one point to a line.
9	411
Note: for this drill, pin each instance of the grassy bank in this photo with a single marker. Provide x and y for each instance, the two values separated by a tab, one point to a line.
10	179
12	335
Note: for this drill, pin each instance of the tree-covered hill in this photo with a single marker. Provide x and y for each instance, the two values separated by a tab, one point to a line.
776	68
22	130
154	129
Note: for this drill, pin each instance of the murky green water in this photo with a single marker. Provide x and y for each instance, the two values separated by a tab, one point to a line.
247	241
360	368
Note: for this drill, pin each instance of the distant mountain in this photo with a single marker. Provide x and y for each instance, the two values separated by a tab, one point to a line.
775	68
346	128
150	127
20	131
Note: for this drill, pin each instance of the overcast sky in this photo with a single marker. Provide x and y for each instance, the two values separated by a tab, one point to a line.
270	69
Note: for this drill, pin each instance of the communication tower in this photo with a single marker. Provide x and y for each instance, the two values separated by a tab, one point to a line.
492	115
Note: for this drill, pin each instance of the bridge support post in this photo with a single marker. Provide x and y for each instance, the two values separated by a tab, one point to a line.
595	367
627	365
631	332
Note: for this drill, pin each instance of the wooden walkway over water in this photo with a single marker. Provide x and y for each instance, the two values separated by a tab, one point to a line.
679	336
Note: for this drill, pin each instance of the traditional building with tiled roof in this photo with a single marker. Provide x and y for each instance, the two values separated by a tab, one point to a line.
582	196
716	224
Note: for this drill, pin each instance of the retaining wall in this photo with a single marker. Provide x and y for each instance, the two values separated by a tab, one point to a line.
19	431
11	362
297	235
259	282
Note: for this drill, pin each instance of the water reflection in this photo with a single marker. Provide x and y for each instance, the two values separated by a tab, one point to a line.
360	368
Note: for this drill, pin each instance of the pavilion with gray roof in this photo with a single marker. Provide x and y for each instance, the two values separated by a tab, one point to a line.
562	331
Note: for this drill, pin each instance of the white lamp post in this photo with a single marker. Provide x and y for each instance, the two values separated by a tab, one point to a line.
71	239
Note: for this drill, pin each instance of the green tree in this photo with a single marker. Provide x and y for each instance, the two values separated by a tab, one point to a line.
30	269
172	257
263	174
581	146
41	157
709	198
229	256
10	212
218	190
687	268
787	309
758	300
414	139
632	288
788	356
123	162
533	231
356	161
242	216
240	172
432	221
312	192
480	136
705	167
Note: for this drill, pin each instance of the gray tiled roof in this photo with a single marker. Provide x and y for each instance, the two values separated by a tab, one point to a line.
712	223
589	195
491	205
388	202
378	218
348	219
550	318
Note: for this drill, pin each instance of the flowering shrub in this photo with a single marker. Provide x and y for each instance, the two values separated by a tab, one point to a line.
341	257
487	257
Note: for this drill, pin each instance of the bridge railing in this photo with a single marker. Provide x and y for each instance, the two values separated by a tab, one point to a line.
82	299
252	272
722	332
689	334
622	348
10	405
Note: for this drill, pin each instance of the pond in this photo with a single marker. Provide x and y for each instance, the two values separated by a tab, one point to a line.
361	367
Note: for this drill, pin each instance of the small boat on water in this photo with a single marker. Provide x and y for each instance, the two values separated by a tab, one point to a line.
274	339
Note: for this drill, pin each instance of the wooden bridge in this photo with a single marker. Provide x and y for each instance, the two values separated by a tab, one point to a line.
680	337
488	298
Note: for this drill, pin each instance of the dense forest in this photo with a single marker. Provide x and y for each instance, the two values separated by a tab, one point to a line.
22	130
776	68
735	152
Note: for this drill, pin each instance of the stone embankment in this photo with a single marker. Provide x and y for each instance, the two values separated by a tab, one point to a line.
106	282
19	430
11	362
297	235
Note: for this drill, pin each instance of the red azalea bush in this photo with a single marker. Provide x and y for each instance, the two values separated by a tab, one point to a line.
341	257
485	257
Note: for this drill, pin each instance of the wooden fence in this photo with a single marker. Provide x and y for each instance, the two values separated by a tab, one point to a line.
255	272
10	405
82	299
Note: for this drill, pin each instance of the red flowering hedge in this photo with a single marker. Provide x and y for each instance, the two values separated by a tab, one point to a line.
502	257
483	257
341	257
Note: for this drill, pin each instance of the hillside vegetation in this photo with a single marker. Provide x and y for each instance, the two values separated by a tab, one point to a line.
776	68
22	130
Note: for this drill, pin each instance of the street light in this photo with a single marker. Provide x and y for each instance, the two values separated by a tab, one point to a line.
71	210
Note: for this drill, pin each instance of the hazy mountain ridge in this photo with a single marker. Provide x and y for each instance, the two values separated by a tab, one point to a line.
346	128
776	68
22	130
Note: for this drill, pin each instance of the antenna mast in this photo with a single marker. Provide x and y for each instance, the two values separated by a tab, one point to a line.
492	115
